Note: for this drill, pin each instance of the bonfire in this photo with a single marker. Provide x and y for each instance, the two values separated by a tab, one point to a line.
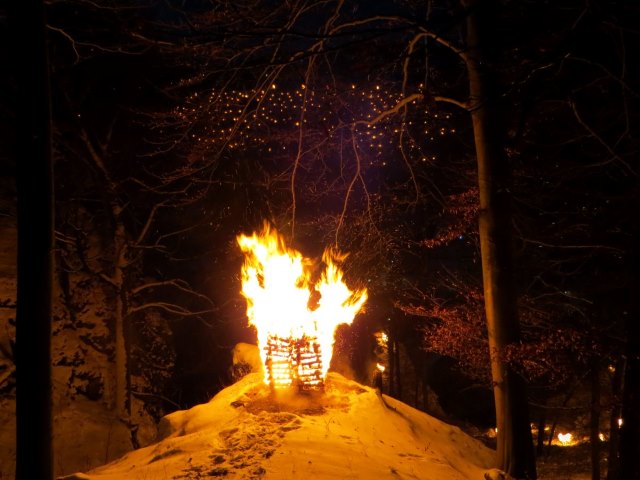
295	313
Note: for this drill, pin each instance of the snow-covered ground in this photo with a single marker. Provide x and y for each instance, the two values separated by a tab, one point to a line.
349	431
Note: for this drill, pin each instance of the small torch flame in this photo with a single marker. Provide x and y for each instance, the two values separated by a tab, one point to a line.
295	318
380	368
382	339
565	439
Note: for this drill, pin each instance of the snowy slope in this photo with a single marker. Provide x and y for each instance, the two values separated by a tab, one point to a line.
350	431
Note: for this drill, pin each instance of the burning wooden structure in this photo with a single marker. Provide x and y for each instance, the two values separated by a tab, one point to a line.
294	362
295	312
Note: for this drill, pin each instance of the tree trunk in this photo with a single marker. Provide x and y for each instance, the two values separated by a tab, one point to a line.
35	244
630	428
122	394
121	357
540	440
398	371
391	358
595	421
515	454
613	464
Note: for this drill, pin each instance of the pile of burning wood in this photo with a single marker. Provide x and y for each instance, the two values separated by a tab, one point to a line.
294	362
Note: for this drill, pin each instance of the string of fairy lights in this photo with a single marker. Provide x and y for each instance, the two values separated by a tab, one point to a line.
270	119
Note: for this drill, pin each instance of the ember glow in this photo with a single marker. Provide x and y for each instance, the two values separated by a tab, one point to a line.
295	315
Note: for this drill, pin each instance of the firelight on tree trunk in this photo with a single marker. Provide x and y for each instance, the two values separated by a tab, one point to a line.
294	313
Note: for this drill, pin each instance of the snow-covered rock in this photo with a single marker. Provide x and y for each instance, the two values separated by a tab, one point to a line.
495	474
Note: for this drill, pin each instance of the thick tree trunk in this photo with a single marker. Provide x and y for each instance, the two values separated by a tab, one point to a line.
35	244
515	454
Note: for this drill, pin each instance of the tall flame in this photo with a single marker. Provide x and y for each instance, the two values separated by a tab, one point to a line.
283	301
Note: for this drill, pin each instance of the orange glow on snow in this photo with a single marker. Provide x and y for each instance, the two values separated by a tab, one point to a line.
285	302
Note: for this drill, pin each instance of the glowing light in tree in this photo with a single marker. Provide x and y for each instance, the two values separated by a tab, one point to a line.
261	119
295	315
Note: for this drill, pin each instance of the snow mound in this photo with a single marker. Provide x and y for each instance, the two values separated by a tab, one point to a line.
349	431
247	354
